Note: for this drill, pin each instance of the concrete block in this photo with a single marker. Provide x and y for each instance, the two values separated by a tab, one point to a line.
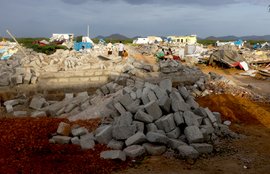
33	80
218	117
19	79
175	96
155	137
9	108
210	115
75	140
38	114
79	131
174	133
137	138
69	96
105	90
125	100
186	151
61	139
134	106
166	84
192	119
134	151
179	106
152	96
153	109
165	103
116	145
139	93
160	92
200	111
20	113
151	127
144	117
206	121
184	92
87	141
63	129
175	143
113	154
123	132
37	102
104	136
124	120
192	103
193	134
119	108
133	95
178	118
145	98
166	123
83	94
153	149
27	78
203	148
139	126
11	102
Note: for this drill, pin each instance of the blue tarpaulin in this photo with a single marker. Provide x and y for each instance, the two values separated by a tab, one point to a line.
79	45
238	43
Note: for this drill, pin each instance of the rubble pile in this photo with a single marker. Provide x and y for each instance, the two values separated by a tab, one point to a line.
150	119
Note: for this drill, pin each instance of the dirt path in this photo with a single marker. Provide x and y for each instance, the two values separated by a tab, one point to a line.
258	85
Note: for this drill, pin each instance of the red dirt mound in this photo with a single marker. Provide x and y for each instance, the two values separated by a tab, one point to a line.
24	148
238	109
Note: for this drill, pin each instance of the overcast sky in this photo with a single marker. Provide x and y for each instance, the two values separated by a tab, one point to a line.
34	18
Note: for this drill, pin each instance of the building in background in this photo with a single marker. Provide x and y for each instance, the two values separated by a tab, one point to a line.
192	39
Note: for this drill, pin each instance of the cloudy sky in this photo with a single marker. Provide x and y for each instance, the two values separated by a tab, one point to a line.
35	18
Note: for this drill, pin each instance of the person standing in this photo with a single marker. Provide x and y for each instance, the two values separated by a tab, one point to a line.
120	49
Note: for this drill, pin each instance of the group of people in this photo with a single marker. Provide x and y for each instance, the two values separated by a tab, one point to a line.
121	50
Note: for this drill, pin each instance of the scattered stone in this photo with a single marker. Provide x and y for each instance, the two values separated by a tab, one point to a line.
20	113
63	129
166	123
75	140
139	126
38	114
116	145
87	141
227	123
37	102
166	84
79	131
175	143
174	133
61	139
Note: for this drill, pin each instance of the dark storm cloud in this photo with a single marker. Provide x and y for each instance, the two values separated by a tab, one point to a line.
168	2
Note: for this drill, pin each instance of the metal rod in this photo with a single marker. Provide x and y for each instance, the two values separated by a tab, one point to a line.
16	42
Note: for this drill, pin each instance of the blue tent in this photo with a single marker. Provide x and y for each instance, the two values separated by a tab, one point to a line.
79	45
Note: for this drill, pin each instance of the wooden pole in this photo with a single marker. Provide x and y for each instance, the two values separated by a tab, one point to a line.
17	43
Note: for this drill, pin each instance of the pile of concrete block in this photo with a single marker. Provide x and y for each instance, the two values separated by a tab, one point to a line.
152	118
170	66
